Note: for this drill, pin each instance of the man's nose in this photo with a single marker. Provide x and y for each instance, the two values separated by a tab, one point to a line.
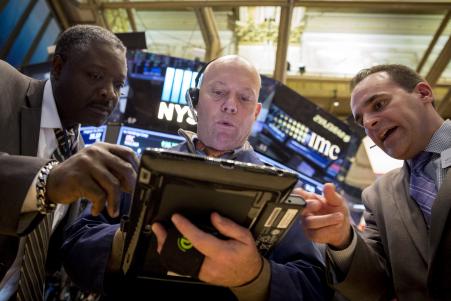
229	105
370	122
108	92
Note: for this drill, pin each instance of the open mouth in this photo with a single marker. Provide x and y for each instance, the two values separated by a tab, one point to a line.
225	123
387	133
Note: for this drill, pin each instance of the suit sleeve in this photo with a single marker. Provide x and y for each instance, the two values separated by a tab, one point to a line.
297	269
16	175
368	277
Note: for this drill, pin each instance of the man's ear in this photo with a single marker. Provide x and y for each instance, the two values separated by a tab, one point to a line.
257	110
57	66
424	90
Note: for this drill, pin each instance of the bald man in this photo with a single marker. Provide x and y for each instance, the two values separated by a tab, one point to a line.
226	110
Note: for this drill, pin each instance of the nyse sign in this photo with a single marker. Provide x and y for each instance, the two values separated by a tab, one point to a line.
173	107
171	111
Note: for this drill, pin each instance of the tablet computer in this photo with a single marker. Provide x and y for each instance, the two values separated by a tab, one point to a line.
255	196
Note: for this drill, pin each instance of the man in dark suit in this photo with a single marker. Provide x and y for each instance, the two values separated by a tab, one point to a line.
404	252
226	110
89	67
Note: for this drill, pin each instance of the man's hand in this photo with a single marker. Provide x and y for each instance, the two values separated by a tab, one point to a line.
326	218
98	173
228	263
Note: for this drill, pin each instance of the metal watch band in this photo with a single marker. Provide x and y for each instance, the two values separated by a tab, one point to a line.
44	205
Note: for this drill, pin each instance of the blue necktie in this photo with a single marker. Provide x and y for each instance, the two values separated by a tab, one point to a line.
32	274
422	188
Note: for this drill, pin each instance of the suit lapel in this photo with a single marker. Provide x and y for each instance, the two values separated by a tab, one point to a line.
409	212
31	118
440	213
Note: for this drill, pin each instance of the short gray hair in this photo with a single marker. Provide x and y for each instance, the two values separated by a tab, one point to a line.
80	37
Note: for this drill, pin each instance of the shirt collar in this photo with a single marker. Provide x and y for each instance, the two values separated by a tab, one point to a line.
49	114
191	138
441	140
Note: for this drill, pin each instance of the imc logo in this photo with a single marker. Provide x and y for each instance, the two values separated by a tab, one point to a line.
173	104
283	124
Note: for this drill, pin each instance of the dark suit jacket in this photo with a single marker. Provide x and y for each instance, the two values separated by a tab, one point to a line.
20	118
396	253
20	115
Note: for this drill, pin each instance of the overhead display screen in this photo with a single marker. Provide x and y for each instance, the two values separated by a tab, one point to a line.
302	136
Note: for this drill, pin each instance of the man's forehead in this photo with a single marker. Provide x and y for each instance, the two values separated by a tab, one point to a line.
216	67
94	49
101	55
221	74
234	84
374	80
373	83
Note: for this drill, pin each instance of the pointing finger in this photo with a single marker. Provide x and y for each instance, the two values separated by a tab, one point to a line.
331	196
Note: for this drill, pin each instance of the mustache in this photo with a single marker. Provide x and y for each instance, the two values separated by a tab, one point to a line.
104	104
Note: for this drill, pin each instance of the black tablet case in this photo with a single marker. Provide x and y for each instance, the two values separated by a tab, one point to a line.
254	196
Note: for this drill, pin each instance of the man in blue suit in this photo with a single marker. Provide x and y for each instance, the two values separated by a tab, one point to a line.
227	107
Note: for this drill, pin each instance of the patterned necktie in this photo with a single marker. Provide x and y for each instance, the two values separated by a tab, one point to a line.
422	188
32	273
209	151
67	143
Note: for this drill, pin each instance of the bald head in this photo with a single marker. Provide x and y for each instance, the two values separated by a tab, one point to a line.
228	103
235	61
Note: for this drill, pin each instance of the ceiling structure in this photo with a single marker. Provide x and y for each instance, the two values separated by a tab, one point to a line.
324	41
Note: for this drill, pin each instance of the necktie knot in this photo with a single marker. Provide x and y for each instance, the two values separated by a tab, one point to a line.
420	161
67	143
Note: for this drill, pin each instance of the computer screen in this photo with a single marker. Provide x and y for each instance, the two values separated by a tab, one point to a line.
303	137
92	134
140	139
156	93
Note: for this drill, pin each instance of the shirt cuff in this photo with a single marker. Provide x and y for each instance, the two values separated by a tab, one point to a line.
342	258
29	204
256	290
117	249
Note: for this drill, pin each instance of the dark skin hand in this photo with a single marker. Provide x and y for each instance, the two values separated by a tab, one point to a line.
229	263
99	173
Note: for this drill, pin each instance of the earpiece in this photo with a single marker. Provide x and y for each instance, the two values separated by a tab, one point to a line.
192	98
192	94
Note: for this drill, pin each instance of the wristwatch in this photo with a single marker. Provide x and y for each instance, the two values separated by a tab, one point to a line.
45	206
